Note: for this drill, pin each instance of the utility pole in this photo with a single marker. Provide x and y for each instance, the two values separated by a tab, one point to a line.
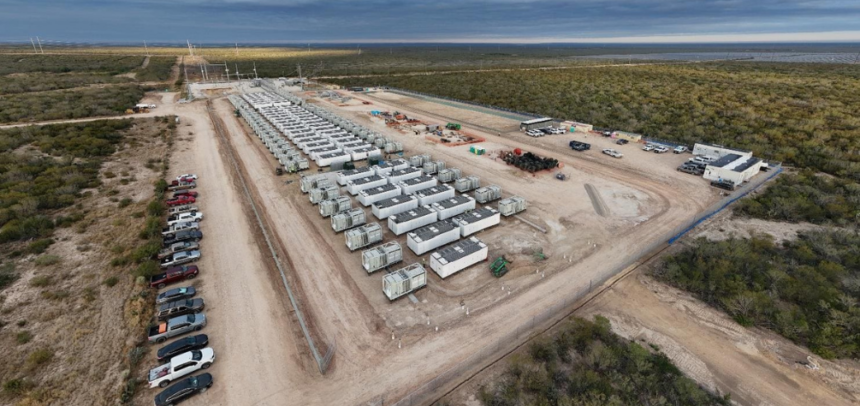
239	78
40	44
190	48
227	70
34	46
255	70
146	48
237	50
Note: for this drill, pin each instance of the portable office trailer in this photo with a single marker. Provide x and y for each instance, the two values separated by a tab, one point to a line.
336	205
454	206
382	256
332	158
431	168
434	194
323	193
348	219
413	185
448	175
466	184
404	281
512	205
397	176
477	220
419	160
383	209
412	219
487	194
376	194
314	181
363	236
357	185
345	176
432	236
458	257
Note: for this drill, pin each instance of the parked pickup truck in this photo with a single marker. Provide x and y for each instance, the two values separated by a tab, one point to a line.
187	176
180	200
187	235
180	258
176	327
185	225
181	209
182	185
189	193
187	216
178	308
181	365
173	275
177	247
175	294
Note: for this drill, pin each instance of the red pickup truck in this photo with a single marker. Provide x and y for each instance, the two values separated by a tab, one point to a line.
180	200
189	193
173	275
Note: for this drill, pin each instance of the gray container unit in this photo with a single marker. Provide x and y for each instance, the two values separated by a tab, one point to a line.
487	194
363	236
381	257
392	147
512	205
477	220
323	193
454	206
384	168
466	184
448	175
393	206
380	142
397	176
295	165
432	236
431	168
355	186
419	160
458	257
348	219
376	194
412	219
413	185
336	205
314	181
404	281
344	177
434	194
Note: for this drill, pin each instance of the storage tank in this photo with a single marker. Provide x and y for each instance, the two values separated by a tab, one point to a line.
432	236
323	193
314	181
332	159
384	168
431	168
345	176
404	281
348	219
466	184
381	257
413	185
487	194
448	175
454	206
434	194
357	185
476	220
412	219
512	205
400	175
336	205
419	160
383	209
363	236
373	195
458	257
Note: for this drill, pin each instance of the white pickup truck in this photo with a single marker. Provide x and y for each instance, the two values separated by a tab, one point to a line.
183	217
181	365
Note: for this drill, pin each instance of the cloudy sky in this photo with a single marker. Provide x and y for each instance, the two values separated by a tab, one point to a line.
363	21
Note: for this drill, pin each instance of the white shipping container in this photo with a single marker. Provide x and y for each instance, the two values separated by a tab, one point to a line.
316	153
412	219
432	236
394	205
379	193
332	159
400	175
382	256
454	206
434	194
384	168
413	185
404	281
345	176
458	257
357	185
336	205
477	220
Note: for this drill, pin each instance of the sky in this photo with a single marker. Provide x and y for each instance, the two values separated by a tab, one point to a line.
473	21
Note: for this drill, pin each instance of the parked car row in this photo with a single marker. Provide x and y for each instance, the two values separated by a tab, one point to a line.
693	168
545	131
179	311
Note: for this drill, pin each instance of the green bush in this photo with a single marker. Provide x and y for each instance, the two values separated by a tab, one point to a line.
125	202
120	261
17	386
111	282
7	274
23	337
39	246
109	175
40	281
151	229
47	259
147	269
160	187
40	357
155	208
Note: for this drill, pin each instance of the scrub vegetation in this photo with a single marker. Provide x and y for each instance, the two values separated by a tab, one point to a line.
69	104
809	197
158	69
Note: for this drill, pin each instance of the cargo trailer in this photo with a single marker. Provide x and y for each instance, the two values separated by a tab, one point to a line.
381	257
434	194
432	236
413	185
338	204
512	205
402	174
345	176
419	160
384	168
357	185
488	194
476	220
458	257
448	175
404	281
379	193
466	184
348	219
412	219
332	159
363	236
394	205
454	206
323	193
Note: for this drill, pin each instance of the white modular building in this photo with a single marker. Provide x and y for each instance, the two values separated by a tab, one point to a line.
458	257
434	194
415	184
412	219
432	236
376	194
477	220
454	206
316	153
